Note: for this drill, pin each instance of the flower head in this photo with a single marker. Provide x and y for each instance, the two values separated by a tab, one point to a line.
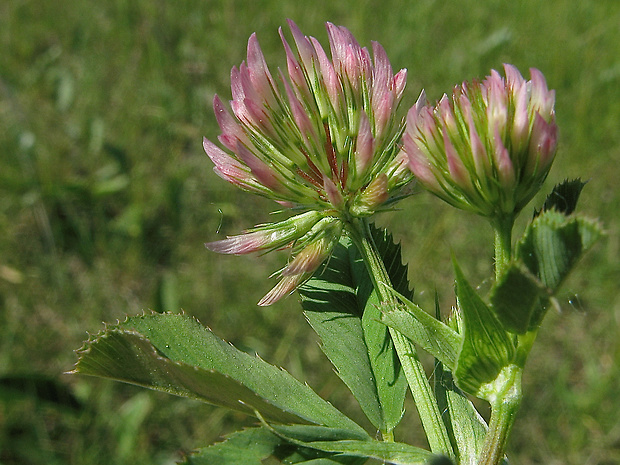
322	136
489	147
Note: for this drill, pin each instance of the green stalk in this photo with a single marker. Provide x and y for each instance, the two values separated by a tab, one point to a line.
506	399
502	227
504	406
419	385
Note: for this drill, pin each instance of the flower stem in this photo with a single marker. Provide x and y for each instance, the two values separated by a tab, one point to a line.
504	406
502	227
419	385
506	398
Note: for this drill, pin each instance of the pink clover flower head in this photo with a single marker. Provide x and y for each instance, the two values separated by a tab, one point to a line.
321	136
489	147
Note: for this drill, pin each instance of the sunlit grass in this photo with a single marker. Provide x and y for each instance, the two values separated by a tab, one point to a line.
106	199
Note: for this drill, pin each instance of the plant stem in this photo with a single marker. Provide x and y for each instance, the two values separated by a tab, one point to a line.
504	406
502	227
506	397
419	385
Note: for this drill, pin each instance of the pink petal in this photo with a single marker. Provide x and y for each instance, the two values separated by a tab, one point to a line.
306	261
364	148
263	173
304	47
503	163
231	130
543	145
241	244
259	72
295	69
338	45
541	98
479	154
521	122
333	193
457	169
330	78
400	81
284	287
227	167
513	76
383	113
300	115
419	165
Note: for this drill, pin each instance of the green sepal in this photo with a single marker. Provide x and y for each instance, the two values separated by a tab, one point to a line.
486	346
176	354
517	296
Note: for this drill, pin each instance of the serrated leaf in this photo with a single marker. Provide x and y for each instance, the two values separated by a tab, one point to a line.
516	297
553	243
563	197
390	452
486	347
252	446
437	338
467	429
247	447
551	247
341	306
176	354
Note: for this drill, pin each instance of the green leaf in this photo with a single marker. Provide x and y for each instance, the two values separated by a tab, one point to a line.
551	247
252	446
486	347
343	309
437	338
389	452
248	447
467	429
553	243
516	297
563	197
176	354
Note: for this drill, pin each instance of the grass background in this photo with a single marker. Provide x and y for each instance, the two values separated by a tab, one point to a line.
106	199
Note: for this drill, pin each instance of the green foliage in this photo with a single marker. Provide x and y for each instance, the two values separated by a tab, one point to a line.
254	445
564	197
344	310
517	296
465	426
177	355
438	339
486	346
110	89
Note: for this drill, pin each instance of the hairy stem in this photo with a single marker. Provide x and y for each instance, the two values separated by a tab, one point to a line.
502	227
504	406
419	385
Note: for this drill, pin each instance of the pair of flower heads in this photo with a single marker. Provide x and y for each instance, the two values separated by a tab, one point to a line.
324	139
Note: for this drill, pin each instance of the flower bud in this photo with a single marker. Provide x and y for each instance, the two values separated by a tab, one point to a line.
489	148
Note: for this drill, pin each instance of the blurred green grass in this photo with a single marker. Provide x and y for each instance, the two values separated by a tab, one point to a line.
106	199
